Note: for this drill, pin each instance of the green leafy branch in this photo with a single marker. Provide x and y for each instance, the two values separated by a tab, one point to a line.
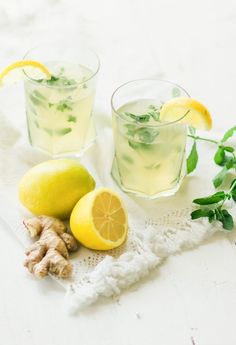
224	155
212	206
217	212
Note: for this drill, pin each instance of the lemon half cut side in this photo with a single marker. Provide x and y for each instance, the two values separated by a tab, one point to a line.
99	220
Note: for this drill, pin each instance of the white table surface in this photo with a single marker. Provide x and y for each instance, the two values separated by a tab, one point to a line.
191	300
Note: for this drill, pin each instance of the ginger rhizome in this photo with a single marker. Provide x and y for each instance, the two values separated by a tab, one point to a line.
50	253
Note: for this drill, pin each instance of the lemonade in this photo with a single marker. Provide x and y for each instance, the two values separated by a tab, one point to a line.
59	110
149	154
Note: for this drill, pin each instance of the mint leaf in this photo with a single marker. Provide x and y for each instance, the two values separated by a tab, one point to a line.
62	131
147	135
229	149
133	144
155	115
192	159
226	219
59	132
212	199
39	95
64	105
71	118
202	213
36	101
176	92
219	178
128	159
229	134
49	131
138	118
131	129
219	157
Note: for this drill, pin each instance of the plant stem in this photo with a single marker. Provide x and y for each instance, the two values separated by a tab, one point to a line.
204	139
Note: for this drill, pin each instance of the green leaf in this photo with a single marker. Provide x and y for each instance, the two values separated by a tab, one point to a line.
136	145
219	157
139	118
192	159
155	115
230	163
152	107
64	105
133	144
201	213
39	95
226	220
62	131
228	149
211	216
131	129
219	178
176	92
212	199
36	101
147	135
59	132
128	159
229	134
71	118
48	131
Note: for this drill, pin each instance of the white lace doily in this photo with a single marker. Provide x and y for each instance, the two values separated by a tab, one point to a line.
151	237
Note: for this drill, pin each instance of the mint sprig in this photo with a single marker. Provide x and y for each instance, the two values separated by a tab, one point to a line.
212	207
224	155
152	113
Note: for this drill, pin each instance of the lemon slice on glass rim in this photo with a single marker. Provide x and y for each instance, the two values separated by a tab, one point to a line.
186	110
15	72
99	220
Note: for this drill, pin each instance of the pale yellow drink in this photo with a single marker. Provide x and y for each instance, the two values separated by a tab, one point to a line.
149	154
59	111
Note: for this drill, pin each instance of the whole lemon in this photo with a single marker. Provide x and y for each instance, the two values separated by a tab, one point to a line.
53	187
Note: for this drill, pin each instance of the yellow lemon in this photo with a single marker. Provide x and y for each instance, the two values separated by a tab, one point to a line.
14	72
99	220
191	111
53	187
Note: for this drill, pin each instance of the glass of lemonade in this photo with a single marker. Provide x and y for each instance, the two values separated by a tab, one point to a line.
149	156
59	110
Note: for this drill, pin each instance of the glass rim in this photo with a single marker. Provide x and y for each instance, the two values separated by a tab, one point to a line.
34	81
122	116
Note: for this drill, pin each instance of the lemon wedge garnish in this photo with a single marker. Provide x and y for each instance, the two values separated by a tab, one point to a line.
196	113
14	72
99	220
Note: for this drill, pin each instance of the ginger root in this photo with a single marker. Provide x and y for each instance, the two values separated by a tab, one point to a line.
50	253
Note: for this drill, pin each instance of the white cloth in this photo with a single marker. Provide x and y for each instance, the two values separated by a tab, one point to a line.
157	228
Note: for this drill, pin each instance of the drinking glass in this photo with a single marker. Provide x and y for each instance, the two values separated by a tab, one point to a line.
59	111
149	158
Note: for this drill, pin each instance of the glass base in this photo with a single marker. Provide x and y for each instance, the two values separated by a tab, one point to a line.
67	154
163	193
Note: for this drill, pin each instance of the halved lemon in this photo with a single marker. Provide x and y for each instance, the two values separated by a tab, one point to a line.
14	72
197	114
99	220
